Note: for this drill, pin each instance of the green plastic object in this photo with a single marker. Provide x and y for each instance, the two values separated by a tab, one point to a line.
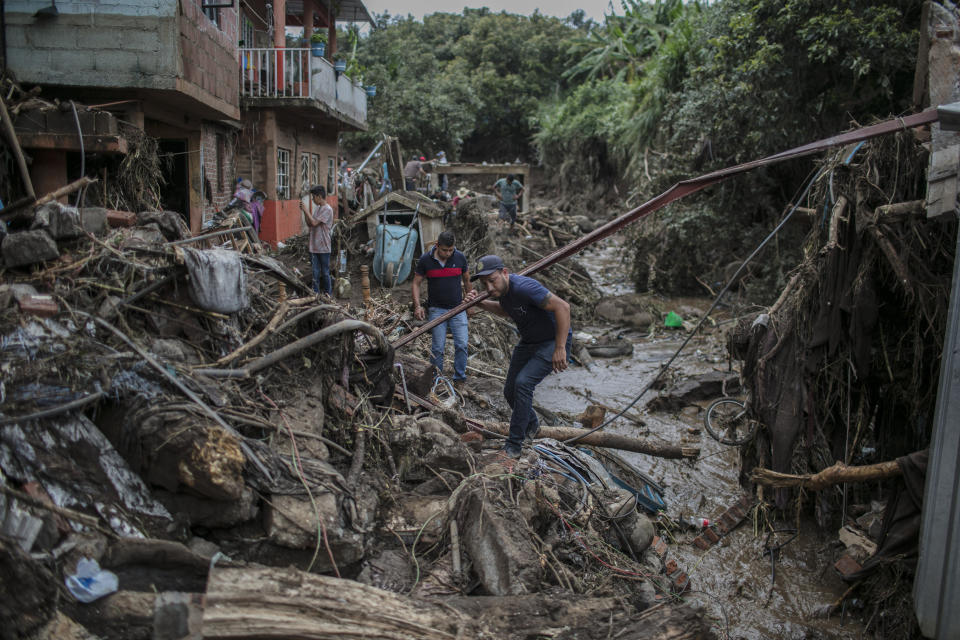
673	320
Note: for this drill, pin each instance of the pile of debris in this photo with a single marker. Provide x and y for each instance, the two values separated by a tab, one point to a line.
176	423
844	366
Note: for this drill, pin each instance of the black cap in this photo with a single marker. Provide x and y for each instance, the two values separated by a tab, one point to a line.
486	266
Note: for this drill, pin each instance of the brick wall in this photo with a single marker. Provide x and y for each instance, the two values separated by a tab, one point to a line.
210	54
219	166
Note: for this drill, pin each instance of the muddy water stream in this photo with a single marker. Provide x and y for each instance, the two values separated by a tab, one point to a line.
732	579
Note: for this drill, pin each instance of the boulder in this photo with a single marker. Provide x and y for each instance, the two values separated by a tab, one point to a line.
170	223
61	221
610	310
94	220
640	320
28	247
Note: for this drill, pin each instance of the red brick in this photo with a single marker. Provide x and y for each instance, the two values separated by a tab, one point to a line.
681	582
671	566
659	546
121	218
701	543
723	527
37	305
846	565
711	535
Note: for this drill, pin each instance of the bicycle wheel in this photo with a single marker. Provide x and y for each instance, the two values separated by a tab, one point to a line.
727	422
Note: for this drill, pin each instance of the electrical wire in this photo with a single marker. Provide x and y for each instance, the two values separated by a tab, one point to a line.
82	193
703	318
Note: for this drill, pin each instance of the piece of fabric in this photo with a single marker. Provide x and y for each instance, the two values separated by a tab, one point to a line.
458	327
320	234
508	190
529	365
320	263
444	281
218	281
522	303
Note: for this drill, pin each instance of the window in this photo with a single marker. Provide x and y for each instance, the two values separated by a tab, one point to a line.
304	172
314	169
211	12
331	174
283	174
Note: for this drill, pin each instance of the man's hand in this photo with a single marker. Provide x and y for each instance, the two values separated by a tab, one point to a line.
418	313
559	359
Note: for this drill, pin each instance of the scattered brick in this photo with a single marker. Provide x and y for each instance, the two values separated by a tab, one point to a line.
846	565
681	582
671	567
701	543
711	535
39	305
659	546
121	218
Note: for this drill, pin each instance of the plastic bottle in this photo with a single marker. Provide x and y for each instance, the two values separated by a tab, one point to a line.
343	262
698	522
90	582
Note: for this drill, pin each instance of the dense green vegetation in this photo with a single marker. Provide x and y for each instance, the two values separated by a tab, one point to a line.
662	91
469	83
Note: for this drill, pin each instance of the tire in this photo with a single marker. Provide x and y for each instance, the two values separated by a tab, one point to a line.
727	421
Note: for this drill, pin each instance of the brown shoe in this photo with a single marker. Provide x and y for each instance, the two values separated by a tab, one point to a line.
459	384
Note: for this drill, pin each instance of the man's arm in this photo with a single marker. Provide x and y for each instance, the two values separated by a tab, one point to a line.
415	292
307	217
487	305
467	285
561	313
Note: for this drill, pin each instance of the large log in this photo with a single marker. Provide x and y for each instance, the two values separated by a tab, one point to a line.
605	440
287	603
837	474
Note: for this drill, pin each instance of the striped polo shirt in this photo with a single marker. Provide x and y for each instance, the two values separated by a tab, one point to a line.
444	281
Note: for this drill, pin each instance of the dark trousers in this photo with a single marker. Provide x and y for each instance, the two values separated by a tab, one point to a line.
529	365
320	262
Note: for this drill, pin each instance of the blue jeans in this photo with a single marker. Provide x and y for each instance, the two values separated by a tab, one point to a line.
458	327
529	365
321	272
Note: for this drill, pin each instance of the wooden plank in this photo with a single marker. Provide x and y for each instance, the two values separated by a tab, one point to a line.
469	168
70	142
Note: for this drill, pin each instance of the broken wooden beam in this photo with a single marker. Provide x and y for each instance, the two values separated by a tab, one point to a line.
17	150
605	440
839	473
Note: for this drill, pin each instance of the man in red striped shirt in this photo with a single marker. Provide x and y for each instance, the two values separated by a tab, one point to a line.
448	276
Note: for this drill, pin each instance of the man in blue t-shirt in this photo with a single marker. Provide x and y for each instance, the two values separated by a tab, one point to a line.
448	275
543	320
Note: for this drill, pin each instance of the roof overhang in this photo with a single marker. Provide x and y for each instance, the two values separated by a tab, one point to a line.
348	11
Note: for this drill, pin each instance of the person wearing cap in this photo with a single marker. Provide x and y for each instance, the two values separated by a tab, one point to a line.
462	194
543	321
411	171
448	276
320	224
508	190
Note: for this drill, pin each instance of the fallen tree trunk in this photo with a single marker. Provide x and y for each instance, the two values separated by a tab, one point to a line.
837	474
287	603
605	440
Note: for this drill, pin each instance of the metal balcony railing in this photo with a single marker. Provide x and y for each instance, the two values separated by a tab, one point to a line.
275	73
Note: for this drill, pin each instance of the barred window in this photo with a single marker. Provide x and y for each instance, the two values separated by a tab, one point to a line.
304	172
283	174
331	175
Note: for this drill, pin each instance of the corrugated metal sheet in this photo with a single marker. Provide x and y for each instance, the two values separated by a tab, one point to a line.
936	590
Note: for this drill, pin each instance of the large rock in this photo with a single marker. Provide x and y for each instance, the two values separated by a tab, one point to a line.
498	544
94	220
61	221
28	247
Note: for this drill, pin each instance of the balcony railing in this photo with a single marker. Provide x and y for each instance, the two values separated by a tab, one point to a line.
295	73
275	73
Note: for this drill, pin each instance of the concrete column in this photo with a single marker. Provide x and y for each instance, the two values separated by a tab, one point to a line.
331	33
195	171
308	10
279	23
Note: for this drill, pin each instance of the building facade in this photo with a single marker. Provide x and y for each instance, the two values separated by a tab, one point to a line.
212	80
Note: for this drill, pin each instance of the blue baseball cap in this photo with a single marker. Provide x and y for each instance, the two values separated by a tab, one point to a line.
487	265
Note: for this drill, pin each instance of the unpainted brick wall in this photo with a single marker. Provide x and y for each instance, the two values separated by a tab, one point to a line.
219	166
211	55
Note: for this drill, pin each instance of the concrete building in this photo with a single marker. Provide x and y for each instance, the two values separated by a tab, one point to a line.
193	74
294	104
